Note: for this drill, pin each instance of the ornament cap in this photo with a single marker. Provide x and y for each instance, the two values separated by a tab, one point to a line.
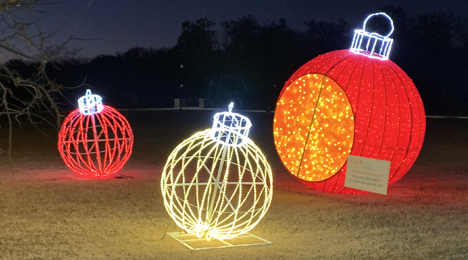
230	128
373	44
90	104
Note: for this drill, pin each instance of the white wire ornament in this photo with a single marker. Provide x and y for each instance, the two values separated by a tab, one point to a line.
230	128
90	103
217	183
372	44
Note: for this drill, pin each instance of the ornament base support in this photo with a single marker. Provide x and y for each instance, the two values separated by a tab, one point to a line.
194	243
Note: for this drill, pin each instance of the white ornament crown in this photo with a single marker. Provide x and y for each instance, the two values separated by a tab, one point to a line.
90	103
372	44
230	128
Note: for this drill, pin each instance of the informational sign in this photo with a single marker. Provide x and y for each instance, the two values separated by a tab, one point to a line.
367	174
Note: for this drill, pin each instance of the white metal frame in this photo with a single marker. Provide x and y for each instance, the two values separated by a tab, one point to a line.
366	43
189	240
217	187
90	103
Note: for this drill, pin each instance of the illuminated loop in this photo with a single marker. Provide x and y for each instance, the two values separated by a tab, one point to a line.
378	14
372	44
90	103
230	128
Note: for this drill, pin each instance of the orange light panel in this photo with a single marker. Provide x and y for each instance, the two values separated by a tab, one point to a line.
313	127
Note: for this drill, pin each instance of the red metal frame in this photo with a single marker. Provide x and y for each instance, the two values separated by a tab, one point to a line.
95	145
389	115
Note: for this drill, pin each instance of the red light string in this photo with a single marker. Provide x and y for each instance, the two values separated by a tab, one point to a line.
95	145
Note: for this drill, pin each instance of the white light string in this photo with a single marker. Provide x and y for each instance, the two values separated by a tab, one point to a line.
372	44
216	187
90	103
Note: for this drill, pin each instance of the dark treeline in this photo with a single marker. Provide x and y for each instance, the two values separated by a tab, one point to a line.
248	63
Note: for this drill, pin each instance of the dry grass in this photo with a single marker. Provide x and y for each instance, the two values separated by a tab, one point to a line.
47	213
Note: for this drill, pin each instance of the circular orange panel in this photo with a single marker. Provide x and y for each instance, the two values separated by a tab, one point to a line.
313	127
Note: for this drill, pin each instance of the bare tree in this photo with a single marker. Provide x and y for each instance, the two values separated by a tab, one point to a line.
26	96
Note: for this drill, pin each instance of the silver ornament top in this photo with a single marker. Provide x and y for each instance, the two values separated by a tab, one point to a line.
90	103
372	44
230	128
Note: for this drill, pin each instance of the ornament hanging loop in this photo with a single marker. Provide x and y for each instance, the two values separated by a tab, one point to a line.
379	14
372	45
230	128
90	103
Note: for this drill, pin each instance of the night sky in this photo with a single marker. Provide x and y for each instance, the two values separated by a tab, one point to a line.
122	24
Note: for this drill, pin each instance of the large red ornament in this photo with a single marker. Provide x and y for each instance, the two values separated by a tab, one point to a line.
95	140
348	102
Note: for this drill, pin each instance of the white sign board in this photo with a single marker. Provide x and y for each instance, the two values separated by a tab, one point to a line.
367	174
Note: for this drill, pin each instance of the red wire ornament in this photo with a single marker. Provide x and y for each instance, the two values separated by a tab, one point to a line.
96	144
387	110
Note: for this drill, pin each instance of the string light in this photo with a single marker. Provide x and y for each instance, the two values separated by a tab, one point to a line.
95	140
218	183
90	104
373	45
372	109
322	128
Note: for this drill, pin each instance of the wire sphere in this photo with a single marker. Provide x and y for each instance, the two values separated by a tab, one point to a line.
211	189
95	145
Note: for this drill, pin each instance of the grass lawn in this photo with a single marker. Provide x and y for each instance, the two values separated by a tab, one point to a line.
47	212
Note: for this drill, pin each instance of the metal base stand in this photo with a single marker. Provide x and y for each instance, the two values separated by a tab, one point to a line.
194	243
